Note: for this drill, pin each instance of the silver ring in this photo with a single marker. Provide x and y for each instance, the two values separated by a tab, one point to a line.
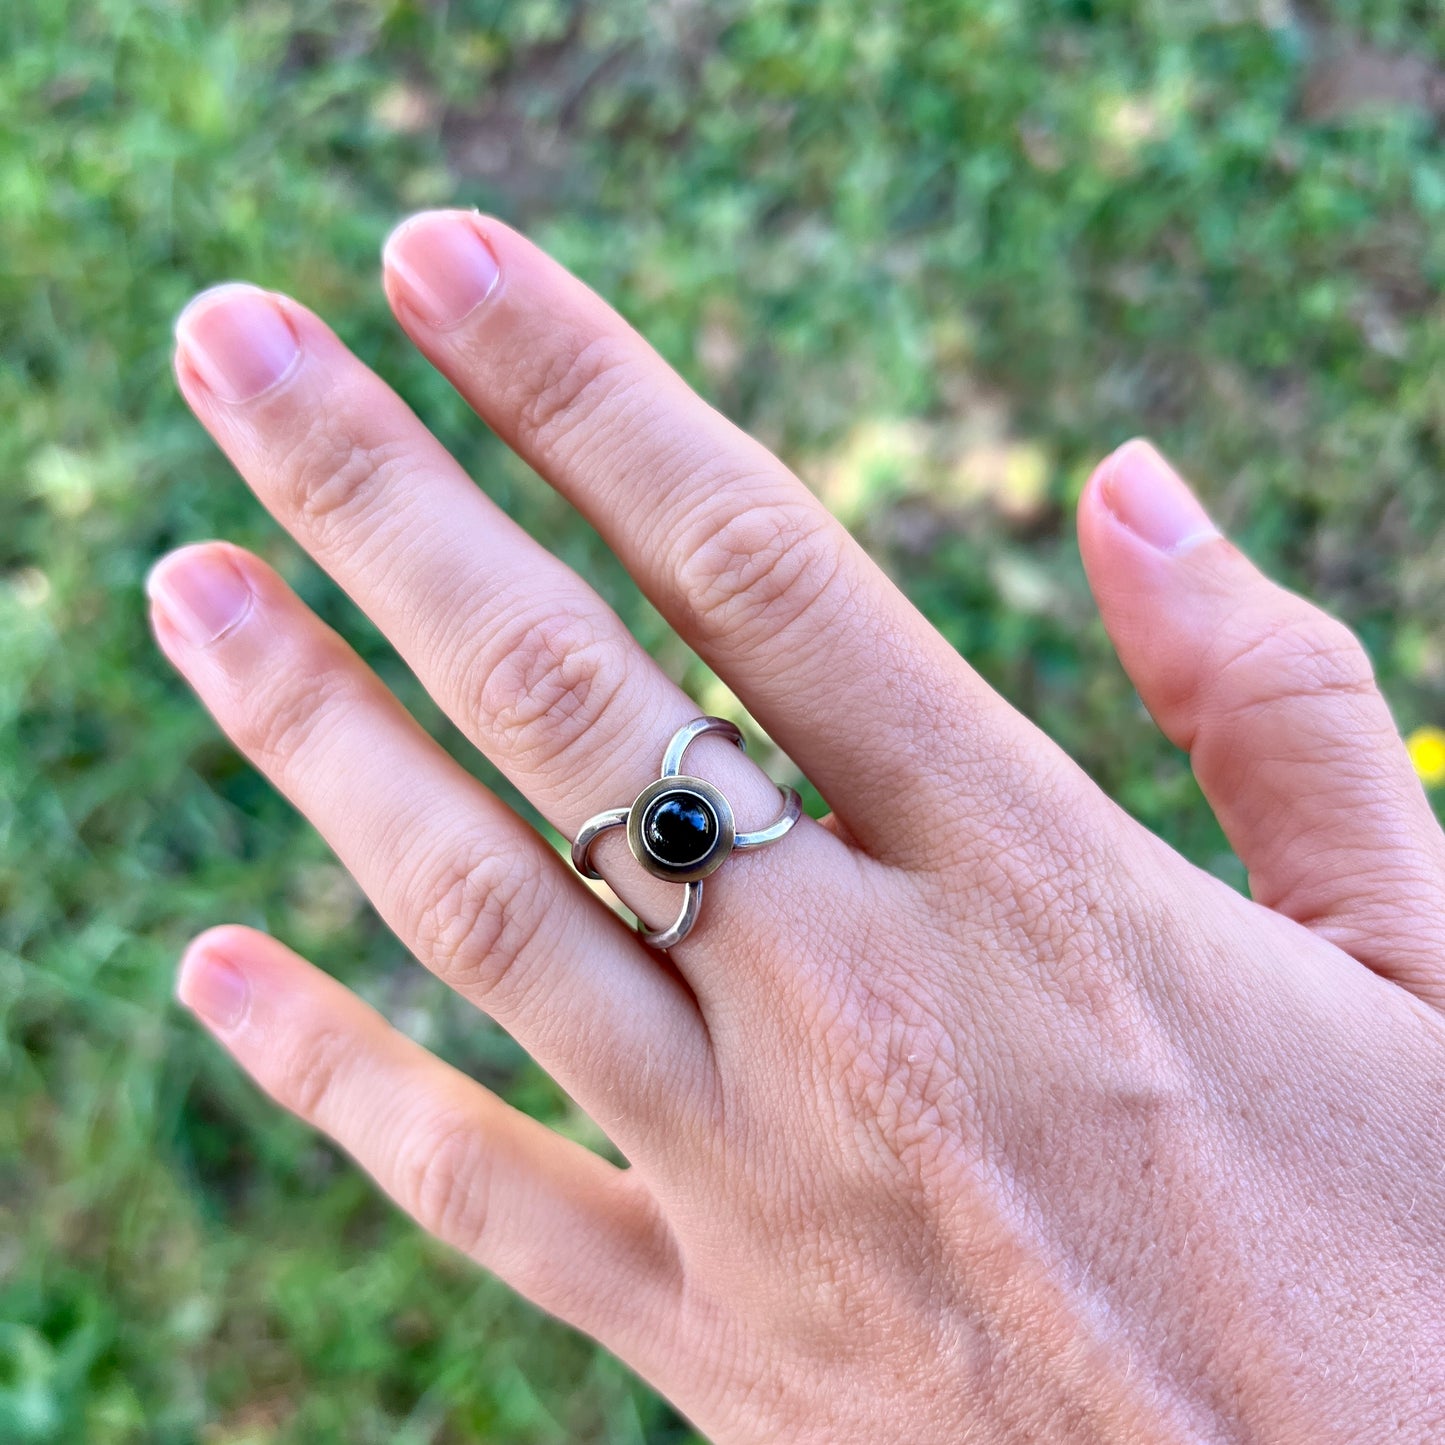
682	828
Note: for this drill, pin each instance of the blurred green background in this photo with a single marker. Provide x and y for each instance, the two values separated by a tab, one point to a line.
942	254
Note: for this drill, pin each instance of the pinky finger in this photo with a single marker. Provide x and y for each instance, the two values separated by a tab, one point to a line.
574	1234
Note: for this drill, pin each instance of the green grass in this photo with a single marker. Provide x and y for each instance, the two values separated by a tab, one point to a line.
942	255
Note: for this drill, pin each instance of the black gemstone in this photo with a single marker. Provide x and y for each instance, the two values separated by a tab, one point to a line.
679	829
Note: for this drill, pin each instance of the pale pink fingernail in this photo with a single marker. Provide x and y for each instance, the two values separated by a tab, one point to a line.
237	340
212	987
201	592
1152	500
441	266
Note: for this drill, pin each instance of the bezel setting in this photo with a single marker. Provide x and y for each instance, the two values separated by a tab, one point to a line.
691	870
697	791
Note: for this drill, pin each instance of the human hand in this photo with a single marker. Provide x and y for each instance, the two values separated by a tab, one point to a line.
971	1111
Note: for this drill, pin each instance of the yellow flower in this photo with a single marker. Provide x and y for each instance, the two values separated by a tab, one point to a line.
1427	752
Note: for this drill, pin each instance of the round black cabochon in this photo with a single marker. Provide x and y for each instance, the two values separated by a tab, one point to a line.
679	828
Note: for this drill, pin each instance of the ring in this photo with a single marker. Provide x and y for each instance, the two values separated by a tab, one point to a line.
682	828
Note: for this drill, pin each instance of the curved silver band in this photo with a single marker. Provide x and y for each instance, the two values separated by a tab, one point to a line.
672	761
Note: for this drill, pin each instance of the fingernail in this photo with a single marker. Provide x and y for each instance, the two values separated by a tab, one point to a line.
441	265
201	592
1153	501
237	340
213	987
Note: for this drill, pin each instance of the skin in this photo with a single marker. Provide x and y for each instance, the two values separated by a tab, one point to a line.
970	1112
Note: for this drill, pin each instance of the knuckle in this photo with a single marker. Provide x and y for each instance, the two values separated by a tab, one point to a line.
308	1079
332	476
276	723
477	920
443	1180
565	392
544	683
762	569
1307	653
1333	655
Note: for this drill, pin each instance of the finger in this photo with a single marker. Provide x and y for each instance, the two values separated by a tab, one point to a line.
467	886
569	1231
1277	705
519	651
734	550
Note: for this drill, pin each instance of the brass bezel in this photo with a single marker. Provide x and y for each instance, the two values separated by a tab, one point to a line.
712	798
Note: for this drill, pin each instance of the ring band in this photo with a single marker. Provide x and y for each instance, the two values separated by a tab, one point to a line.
681	828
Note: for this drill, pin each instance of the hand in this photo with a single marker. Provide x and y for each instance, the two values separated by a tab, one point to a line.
971	1111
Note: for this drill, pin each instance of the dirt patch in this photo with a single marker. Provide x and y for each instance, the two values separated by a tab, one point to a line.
1347	80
